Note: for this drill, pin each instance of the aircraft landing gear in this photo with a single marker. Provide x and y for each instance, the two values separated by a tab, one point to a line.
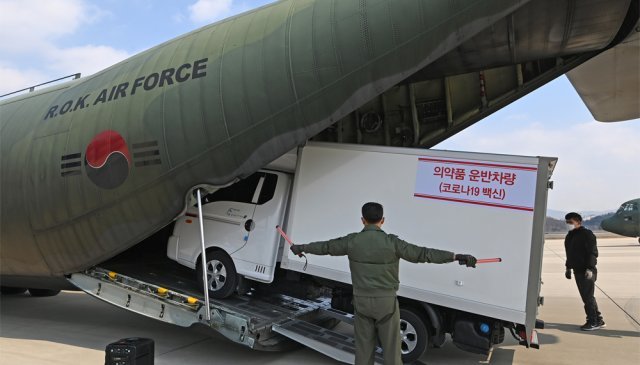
9	290
43	292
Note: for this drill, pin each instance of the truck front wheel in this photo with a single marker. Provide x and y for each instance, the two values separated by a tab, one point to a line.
414	336
222	278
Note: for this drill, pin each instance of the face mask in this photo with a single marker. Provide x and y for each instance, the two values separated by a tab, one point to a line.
570	227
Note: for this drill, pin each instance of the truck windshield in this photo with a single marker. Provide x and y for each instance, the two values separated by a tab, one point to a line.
241	192
244	190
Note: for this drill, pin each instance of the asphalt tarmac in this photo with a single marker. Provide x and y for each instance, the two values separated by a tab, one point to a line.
73	328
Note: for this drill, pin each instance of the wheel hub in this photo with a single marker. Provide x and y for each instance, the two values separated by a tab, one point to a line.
408	337
216	275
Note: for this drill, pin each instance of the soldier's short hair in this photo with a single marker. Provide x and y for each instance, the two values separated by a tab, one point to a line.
372	212
573	216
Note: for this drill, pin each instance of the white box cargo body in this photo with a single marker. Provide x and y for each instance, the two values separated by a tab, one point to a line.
483	204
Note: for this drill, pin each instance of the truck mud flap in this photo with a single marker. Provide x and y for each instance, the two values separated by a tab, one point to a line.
330	343
533	341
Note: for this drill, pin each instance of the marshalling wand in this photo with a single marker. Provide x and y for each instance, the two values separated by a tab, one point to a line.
487	261
286	238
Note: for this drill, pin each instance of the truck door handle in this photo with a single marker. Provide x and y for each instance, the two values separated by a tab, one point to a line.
249	225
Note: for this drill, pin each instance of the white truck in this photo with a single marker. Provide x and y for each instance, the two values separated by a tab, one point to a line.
491	206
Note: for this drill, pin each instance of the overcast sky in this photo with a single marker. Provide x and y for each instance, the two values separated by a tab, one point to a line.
599	164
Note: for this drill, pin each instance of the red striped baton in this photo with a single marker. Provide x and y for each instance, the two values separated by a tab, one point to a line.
286	238
488	261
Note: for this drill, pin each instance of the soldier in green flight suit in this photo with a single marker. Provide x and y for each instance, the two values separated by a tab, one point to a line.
374	262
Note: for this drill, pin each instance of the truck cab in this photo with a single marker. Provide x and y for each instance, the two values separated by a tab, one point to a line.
239	229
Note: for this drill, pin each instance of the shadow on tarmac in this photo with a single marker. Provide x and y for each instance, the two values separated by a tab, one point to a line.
547	339
502	356
450	354
602	332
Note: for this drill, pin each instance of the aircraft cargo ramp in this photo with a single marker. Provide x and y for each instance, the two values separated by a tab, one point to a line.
261	322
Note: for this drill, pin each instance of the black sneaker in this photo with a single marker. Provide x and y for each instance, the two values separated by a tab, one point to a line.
591	326
601	323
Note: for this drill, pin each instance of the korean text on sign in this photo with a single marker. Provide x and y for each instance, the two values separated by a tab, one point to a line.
500	185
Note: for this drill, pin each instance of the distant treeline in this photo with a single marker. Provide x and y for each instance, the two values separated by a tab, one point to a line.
553	225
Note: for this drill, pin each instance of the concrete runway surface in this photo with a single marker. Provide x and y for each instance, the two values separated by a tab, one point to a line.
73	328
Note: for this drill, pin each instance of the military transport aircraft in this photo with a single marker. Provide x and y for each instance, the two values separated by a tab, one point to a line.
626	221
91	167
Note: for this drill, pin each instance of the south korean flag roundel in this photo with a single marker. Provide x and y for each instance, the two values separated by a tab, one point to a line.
107	160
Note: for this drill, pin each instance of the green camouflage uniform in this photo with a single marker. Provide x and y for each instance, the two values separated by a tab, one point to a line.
374	260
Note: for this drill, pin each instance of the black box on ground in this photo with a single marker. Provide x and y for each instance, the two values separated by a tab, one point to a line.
130	351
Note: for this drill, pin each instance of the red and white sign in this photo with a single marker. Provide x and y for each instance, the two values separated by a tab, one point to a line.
500	185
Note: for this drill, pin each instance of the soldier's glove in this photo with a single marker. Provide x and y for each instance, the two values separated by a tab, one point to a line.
588	274
468	260
297	249
567	274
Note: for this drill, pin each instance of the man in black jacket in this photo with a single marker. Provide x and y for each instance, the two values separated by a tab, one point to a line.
582	256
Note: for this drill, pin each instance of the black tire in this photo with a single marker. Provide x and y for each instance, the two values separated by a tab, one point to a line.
43	292
225	278
413	334
9	290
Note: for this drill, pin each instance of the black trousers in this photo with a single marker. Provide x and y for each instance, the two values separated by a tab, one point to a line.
587	288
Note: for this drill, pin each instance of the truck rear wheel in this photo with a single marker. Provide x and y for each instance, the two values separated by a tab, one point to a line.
222	278
414	336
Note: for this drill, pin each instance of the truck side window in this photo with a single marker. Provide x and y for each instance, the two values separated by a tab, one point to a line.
268	188
241	192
